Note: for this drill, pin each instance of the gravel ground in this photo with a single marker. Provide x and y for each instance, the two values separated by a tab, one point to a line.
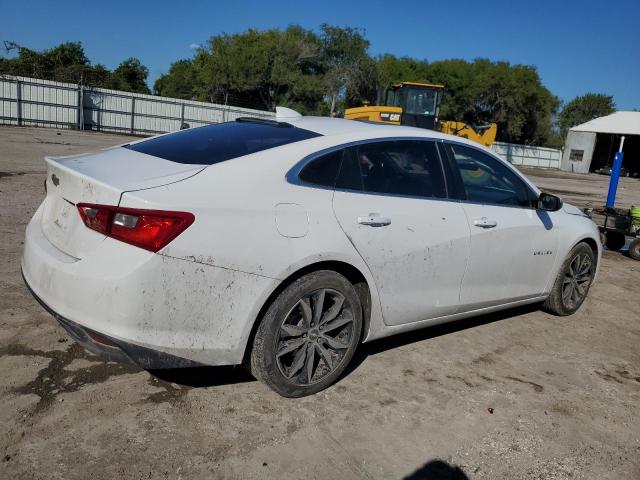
515	395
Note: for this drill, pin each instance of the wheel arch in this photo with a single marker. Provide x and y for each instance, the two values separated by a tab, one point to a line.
592	243
572	243
350	272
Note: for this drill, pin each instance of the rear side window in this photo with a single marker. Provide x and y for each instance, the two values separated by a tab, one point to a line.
323	170
406	167
223	141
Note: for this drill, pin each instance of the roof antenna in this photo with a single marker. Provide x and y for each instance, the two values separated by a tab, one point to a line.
284	112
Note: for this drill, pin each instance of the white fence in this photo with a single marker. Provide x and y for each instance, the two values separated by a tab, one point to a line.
29	101
529	156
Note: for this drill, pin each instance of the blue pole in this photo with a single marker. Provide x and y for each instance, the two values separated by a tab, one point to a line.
615	176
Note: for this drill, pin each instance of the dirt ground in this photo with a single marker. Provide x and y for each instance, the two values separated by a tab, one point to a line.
515	395
585	190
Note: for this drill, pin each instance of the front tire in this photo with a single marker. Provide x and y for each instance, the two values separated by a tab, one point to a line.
573	281
308	335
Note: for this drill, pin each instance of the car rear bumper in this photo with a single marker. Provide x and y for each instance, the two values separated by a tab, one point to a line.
158	310
113	350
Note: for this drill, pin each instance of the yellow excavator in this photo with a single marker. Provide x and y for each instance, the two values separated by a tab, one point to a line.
418	105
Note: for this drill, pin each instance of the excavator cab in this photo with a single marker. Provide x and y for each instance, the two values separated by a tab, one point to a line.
406	103
420	103
417	104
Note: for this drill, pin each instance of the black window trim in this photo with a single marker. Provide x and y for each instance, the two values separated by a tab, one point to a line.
293	175
448	154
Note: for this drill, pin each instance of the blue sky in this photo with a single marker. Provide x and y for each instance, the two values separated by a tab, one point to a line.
577	46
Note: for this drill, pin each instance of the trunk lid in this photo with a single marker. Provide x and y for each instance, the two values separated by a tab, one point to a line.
99	178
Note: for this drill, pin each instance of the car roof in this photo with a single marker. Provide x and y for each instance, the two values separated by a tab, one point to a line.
328	126
339	127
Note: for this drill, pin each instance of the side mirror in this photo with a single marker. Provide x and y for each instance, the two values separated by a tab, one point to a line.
549	203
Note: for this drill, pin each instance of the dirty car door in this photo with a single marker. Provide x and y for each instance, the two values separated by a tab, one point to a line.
390	200
512	245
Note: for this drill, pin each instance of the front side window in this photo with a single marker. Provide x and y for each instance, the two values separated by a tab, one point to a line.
407	167
487	180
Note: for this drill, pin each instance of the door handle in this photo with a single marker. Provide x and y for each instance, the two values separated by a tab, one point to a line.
374	220
485	222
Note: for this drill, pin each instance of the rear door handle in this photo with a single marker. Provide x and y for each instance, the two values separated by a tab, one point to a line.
485	222
374	220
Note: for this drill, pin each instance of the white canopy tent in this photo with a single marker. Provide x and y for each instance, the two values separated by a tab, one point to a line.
602	135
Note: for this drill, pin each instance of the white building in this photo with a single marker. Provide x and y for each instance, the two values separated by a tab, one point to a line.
592	145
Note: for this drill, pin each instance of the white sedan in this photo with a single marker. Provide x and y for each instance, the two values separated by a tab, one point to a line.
283	244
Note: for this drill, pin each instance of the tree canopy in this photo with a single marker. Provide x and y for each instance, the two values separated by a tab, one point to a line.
325	71
481	92
584	108
328	71
130	76
179	82
68	63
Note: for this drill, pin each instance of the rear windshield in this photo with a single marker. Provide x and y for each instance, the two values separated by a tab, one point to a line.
223	141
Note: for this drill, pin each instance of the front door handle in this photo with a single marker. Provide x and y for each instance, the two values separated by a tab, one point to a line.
374	220
485	222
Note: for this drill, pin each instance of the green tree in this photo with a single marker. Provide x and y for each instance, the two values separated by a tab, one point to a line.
96	76
66	62
584	108
482	92
179	82
272	67
324	71
511	96
392	69
130	76
348	69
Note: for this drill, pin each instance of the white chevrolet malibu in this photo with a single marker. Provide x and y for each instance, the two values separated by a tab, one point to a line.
285	243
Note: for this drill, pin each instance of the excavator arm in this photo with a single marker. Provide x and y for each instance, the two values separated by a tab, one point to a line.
484	135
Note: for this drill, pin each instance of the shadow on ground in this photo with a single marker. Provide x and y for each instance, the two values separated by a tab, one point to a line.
198	377
438	470
215	376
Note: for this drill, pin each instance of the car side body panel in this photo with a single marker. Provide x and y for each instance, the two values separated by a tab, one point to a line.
418	259
510	261
240	229
200	296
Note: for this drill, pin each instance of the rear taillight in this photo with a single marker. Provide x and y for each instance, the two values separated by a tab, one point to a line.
148	229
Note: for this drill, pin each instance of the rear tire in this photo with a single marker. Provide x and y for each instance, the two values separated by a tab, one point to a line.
573	281
634	249
308	335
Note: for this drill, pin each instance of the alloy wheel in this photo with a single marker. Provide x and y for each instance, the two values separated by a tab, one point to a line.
314	337
576	281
